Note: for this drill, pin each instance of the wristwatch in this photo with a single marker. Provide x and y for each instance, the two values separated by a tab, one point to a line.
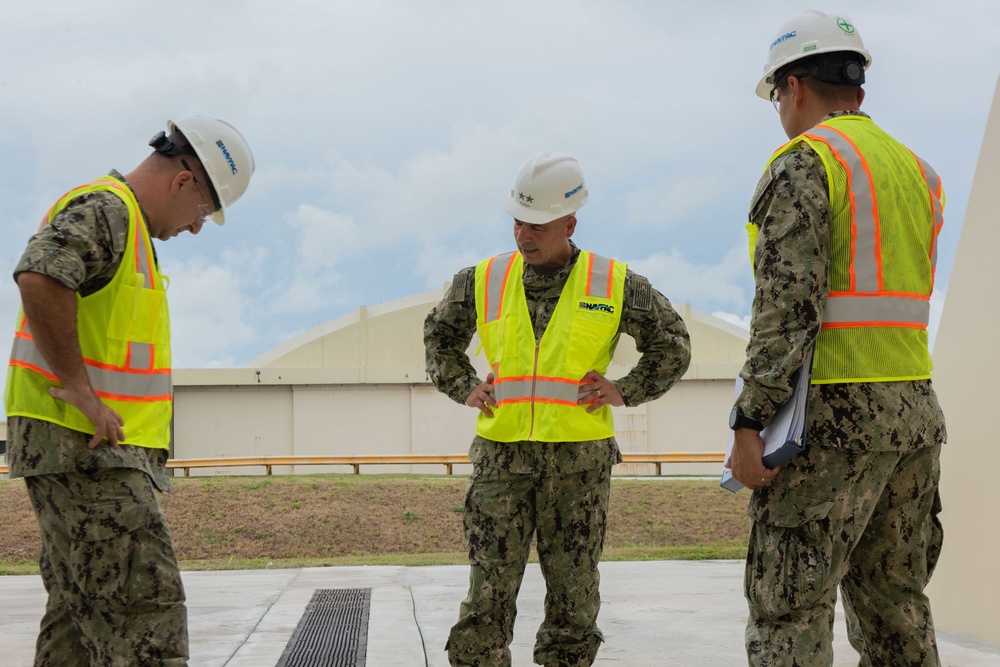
738	420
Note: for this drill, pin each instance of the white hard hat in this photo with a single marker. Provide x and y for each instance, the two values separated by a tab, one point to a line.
548	186
224	154
807	34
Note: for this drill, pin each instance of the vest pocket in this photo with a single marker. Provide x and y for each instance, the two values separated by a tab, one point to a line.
139	315
587	341
507	340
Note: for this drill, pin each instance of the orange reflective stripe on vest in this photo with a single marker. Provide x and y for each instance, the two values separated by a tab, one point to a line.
936	195
866	302
599	275
495	285
108	381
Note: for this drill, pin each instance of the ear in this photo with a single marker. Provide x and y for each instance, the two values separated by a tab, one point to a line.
180	179
797	90
570	225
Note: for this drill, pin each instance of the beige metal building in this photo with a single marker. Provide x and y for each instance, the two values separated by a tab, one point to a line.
357	385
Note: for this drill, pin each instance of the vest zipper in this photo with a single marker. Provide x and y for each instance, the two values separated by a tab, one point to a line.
534	380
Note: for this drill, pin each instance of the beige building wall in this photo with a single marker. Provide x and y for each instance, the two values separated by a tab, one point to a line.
965	590
357	385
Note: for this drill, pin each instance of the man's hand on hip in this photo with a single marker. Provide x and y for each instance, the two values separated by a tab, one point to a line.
598	391
481	397
107	423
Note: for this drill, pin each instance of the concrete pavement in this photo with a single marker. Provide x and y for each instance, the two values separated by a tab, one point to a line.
685	613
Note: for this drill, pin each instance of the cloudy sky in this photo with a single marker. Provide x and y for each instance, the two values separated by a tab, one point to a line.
387	133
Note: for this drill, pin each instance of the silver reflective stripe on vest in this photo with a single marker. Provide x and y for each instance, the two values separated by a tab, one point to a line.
565	392
863	212
140	356
104	381
934	185
599	281
869	309
512	390
495	282
545	390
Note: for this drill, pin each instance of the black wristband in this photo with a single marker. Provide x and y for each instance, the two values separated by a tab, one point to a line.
738	420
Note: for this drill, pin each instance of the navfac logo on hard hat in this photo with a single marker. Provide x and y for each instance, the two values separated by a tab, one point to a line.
229	158
573	191
785	37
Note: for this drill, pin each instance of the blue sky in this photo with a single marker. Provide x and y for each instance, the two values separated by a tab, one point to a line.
387	133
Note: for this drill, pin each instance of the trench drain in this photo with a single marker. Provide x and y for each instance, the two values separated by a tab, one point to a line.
333	631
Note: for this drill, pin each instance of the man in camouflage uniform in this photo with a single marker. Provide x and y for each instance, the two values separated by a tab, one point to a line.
859	509
107	560
555	491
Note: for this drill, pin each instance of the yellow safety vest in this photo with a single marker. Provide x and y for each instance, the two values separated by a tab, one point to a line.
124	333
886	208
536	383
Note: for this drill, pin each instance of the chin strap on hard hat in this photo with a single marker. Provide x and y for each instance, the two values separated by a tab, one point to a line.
846	71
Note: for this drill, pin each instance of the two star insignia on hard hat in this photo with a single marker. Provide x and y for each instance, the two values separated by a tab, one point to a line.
527	199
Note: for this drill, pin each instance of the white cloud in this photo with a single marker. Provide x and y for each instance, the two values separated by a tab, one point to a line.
742	321
672	200
704	285
439	264
208	314
324	240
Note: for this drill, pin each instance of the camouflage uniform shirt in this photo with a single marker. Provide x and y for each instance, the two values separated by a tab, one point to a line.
647	316
791	208
81	248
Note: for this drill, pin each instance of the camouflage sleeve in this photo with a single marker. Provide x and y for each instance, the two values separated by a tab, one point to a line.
448	330
82	246
660	337
791	210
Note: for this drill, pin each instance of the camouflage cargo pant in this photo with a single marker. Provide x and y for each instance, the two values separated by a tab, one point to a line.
568	515
115	593
864	520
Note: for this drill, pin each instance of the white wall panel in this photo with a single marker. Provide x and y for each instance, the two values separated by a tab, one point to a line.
352	419
232	421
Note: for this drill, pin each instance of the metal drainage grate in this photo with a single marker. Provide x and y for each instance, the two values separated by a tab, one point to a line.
333	631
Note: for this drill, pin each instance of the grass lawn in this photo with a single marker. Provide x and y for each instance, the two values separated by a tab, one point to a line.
246	522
